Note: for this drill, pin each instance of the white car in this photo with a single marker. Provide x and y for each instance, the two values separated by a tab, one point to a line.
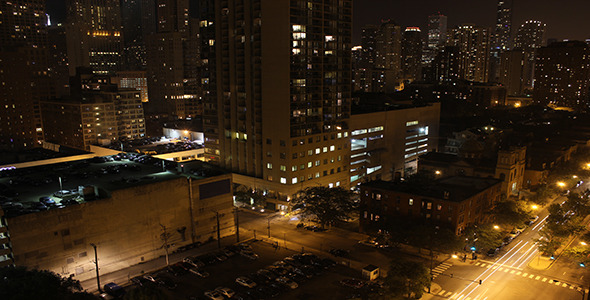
249	254
198	272
245	281
288	282
214	295
225	291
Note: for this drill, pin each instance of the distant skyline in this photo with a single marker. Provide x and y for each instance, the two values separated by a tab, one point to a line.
566	19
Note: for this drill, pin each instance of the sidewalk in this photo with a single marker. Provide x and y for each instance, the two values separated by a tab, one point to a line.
123	276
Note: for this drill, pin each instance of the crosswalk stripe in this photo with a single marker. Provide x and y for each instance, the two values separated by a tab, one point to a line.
477	263
506	270
531	276
525	274
571	287
537	278
544	279
448	294
441	292
564	285
518	273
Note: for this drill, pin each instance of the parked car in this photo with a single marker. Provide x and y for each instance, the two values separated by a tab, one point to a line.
249	254
114	290
352	283
225	291
246	282
493	251
214	295
194	262
288	282
532	220
199	272
339	252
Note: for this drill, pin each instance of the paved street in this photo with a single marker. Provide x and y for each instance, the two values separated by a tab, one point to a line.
517	272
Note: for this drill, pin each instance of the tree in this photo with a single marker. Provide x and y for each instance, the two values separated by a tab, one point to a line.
325	204
407	279
250	197
548	243
542	195
509	212
483	237
20	283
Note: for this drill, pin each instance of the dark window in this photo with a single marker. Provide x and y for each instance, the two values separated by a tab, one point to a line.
268	141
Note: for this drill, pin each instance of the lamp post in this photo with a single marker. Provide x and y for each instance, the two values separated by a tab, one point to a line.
96	266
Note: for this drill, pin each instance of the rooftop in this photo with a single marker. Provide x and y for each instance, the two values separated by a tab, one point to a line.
76	182
458	188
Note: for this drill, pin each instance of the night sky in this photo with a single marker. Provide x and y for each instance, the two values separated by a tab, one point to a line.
565	19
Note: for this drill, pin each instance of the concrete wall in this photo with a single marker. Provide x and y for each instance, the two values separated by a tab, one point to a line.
126	228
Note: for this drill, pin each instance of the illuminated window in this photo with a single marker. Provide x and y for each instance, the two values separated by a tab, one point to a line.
294	180
283	180
411	201
269	166
411	123
283	168
293	168
329	38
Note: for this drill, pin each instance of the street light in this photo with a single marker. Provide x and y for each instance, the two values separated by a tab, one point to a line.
496	227
560	183
534	207
96	266
583	243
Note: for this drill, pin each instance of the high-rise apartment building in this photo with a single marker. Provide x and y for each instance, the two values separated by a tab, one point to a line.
389	52
369	45
562	75
474	48
24	72
94	35
437	36
511	71
138	19
278	96
412	54
529	38
172	62
501	39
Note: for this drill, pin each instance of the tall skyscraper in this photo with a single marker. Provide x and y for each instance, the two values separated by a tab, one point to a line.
562	75
138	19
437	36
172	62
474	44
94	36
511	71
24	72
501	37
369	45
529	38
279	93
412	54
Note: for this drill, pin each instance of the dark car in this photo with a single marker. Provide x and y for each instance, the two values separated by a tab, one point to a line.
114	290
493	251
47	201
339	252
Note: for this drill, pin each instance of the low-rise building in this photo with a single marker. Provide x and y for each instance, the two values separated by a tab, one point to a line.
456	202
386	140
132	209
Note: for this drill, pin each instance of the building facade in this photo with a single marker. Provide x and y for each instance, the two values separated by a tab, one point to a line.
474	44
386	144
437	37
94	37
529	38
456	202
562	75
278	91
130	221
412	54
24	72
98	118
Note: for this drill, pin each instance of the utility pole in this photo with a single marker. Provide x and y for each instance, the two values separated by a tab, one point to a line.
218	231
237	225
96	266
268	227
164	236
190	204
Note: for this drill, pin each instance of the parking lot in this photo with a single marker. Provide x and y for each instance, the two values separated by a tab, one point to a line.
317	280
